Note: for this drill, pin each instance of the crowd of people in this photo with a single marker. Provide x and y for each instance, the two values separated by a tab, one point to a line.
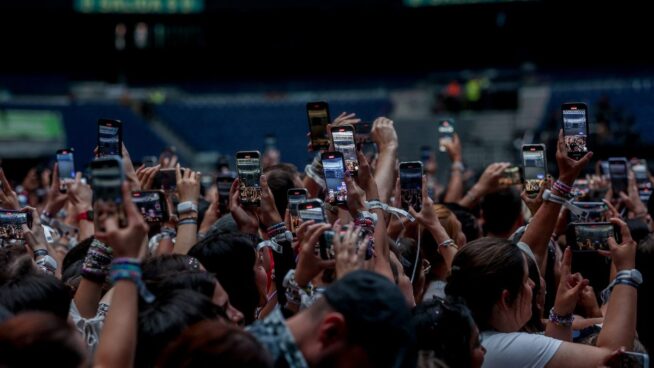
478	276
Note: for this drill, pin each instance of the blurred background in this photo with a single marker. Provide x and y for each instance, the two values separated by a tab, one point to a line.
211	77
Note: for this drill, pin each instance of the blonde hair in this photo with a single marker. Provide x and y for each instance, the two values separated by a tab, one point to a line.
447	219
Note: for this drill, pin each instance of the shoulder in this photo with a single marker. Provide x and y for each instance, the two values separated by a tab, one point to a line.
518	349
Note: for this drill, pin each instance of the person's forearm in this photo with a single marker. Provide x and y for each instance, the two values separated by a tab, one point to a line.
454	187
563	333
619	328
118	338
539	231
385	173
86	229
440	235
382	251
87	297
472	197
187	236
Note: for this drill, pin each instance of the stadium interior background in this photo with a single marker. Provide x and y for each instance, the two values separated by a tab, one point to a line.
214	77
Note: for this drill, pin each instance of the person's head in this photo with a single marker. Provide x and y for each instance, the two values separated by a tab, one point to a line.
280	180
362	320
200	281
14	262
492	276
37	339
469	223
72	263
231	257
446	327
159	267
163	320
36	292
501	212
215	344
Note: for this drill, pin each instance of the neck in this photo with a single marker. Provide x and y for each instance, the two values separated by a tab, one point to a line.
502	322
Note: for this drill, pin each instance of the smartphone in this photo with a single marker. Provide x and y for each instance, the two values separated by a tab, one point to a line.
641	174
333	167
618	170
107	175
343	137
110	137
311	210
411	185
591	236
629	359
595	212
248	165
11	223
511	176
575	128
66	167
534	162
295	196
318	114
224	184
152	205
166	180
445	133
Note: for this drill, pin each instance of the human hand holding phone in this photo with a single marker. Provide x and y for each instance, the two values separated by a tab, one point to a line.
56	199
246	220
569	168
309	264
623	254
188	184
147	175
80	194
128	240
453	148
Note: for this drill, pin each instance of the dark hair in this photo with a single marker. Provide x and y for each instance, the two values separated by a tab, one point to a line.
214	344
445	327
231	258
168	264
37	339
469	223
36	292
164	319
408	251
14	262
500	210
645	264
535	323
638	229
481	271
200	281
77	253
280	180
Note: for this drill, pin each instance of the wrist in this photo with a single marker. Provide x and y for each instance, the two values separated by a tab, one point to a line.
567	179
388	147
625	267
272	221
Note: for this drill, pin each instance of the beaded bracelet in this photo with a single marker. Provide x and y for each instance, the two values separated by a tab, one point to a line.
96	264
130	269
561	320
40	252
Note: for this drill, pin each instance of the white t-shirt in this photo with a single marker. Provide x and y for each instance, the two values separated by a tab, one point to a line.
518	349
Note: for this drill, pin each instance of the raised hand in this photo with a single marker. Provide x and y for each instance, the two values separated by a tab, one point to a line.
188	185
570	288
383	133
8	198
309	264
246	220
569	168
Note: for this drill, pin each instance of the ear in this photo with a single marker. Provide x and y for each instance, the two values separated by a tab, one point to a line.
332	330
505	300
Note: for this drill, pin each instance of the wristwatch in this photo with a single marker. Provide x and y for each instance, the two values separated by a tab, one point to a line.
88	216
186	207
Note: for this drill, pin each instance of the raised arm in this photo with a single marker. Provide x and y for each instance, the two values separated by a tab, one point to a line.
619	328
487	183
188	190
384	135
455	185
117	345
541	227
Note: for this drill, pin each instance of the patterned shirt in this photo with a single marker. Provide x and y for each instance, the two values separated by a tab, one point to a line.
275	337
